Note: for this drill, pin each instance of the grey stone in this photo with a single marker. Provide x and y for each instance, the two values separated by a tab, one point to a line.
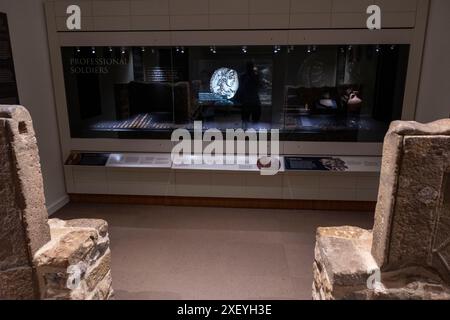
41	258
25	175
408	254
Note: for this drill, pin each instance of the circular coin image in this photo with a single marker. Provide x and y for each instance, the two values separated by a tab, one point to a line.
224	82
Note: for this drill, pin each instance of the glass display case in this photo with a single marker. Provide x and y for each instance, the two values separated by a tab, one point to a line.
309	93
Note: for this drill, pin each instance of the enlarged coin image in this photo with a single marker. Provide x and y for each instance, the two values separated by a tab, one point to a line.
224	82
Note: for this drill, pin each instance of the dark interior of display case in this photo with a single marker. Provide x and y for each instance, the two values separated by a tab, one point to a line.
309	93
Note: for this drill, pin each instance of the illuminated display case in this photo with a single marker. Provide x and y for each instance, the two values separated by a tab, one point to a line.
310	93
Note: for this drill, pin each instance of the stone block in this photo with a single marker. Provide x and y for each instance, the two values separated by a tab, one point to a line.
412	220
41	258
26	175
67	250
343	261
408	254
75	264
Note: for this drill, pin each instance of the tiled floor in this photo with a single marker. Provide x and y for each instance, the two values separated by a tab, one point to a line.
211	253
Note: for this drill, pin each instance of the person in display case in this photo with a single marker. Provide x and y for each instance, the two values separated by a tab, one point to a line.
248	94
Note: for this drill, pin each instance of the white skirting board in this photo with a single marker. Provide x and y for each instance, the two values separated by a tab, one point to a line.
58	204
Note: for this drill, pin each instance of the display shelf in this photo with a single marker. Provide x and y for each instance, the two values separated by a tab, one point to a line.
240	163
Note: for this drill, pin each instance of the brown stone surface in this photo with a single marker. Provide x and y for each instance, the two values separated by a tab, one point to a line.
34	260
100	225
23	215
412	221
26	175
390	168
342	262
67	250
413	128
75	264
13	248
17	283
409	255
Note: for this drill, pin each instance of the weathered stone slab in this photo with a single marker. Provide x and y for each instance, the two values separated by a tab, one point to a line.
75	264
412	221
25	174
408	255
41	258
343	261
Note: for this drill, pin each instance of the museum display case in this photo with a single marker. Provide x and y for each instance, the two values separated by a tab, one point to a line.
309	92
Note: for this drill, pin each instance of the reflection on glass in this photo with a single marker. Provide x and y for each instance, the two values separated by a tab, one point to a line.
321	93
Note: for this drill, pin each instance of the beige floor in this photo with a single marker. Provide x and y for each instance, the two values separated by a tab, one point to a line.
211	253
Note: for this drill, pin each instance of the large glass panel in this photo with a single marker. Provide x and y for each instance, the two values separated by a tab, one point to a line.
310	93
343	93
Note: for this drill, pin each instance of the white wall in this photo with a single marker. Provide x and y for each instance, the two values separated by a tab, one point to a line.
28	33
434	92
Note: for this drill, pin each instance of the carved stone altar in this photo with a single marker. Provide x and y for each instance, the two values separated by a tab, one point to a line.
407	256
41	258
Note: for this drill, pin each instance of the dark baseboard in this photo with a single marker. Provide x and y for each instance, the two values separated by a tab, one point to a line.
227	202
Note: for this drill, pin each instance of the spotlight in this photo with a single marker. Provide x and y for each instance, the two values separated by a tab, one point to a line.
314	48
308	50
244	49
276	49
78	49
212	49
290	49
393	47
378	48
110	49
182	50
342	50
143	49
123	51
93	50
350	48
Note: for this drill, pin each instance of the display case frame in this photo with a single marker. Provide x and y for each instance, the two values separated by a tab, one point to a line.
411	33
411	36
